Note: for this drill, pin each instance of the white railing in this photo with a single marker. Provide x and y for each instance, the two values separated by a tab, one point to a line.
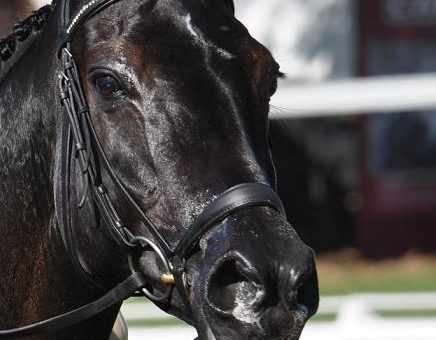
355	96
40	3
328	305
356	319
380	302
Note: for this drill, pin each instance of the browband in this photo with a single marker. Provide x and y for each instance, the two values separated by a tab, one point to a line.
71	26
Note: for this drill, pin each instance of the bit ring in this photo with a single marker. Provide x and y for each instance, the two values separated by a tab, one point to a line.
166	278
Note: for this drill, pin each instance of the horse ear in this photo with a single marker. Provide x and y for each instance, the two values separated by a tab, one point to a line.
231	4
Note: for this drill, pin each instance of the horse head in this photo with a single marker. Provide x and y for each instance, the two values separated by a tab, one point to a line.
177	95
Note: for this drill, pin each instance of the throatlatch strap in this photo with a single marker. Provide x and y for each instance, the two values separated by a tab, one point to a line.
118	294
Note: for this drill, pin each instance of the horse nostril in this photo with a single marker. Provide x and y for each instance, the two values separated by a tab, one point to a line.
307	297
233	284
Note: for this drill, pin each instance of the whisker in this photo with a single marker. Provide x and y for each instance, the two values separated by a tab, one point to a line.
280	110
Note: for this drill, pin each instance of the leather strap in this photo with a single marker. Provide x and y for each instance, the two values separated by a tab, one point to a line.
86	12
64	215
118	294
234	199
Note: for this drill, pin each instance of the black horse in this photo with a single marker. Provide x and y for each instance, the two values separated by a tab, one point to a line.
178	94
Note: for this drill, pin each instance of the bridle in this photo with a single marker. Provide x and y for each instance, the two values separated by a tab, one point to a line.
81	142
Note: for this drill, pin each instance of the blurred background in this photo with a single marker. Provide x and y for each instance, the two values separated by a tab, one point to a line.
353	129
354	139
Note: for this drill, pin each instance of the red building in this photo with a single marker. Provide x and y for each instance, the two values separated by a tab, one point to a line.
397	152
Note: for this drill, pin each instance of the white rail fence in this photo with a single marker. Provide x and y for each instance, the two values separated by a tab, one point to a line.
381	302
355	96
356	319
40	3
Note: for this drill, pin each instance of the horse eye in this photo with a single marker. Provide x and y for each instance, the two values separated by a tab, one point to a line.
106	85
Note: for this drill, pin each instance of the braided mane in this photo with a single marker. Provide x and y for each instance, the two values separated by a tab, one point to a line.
35	23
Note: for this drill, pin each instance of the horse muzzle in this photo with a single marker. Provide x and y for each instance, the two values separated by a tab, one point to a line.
256	280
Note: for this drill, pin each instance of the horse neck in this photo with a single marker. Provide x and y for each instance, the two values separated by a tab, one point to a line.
37	278
28	120
29	110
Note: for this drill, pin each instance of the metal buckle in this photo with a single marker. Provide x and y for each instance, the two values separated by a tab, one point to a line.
67	51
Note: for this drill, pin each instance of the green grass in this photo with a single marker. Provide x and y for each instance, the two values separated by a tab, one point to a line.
408	314
170	322
346	273
323	317
384	314
173	322
392	284
137	299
